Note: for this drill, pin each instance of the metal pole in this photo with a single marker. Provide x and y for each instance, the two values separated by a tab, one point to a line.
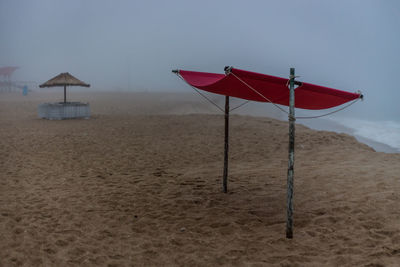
289	220
226	148
65	94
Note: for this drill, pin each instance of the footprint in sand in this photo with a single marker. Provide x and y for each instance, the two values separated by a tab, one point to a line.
61	243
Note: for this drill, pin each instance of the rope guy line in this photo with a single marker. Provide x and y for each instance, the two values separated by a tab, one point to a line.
209	100
301	117
330	113
257	92
244	103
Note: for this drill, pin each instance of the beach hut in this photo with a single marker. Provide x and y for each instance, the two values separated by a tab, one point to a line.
64	110
6	85
253	86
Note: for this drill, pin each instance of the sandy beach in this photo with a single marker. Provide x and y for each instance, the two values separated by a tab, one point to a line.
139	184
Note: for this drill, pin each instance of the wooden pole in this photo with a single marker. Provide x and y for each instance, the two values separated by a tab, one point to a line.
9	83
226	147
289	220
65	94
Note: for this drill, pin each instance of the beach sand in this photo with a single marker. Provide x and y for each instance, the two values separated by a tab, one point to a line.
139	184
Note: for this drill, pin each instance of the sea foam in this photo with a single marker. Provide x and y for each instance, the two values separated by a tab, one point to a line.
385	132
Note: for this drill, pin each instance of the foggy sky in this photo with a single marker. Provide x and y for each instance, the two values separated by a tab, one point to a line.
346	44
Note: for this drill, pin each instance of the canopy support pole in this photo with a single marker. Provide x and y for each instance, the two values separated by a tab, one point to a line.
65	94
226	147
289	211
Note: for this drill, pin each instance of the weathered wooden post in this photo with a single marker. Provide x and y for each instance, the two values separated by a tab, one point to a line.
65	94
289	219
226	147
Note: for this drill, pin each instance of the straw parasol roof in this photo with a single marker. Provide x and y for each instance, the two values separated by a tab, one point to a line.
64	79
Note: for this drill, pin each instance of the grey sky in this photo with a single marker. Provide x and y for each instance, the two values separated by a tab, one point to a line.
346	44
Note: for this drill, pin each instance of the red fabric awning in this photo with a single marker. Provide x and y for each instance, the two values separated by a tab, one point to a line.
7	71
237	83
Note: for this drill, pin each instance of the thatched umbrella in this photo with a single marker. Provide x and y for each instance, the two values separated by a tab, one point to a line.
64	79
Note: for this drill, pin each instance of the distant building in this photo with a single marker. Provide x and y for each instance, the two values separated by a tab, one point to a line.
6	84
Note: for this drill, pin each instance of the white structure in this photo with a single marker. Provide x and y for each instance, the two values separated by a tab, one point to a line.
62	111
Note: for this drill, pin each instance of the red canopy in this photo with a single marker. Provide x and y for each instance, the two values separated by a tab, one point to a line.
266	88
7	71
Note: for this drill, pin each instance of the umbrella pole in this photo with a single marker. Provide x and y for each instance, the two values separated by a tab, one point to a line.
65	94
226	147
289	219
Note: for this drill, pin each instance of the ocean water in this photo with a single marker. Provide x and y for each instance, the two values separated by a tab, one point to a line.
371	132
385	132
